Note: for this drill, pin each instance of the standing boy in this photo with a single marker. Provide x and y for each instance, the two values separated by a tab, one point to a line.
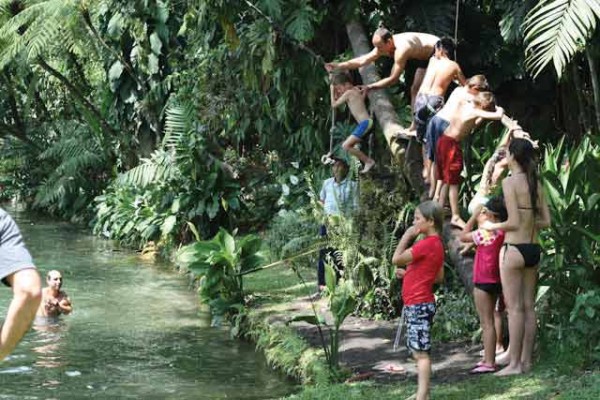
440	121
425	261
343	92
441	71
448	155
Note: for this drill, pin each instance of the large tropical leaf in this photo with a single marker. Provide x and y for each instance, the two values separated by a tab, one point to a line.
511	24
556	29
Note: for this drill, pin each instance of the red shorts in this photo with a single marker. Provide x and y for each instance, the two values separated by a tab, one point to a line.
449	160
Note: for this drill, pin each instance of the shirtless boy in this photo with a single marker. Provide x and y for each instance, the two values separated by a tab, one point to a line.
342	91
441	71
54	300
402	47
440	121
448	154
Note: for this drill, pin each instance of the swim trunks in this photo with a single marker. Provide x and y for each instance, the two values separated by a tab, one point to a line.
362	128
449	160
13	253
435	128
419	319
426	106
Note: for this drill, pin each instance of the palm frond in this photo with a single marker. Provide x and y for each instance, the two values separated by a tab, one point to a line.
555	30
159	167
511	24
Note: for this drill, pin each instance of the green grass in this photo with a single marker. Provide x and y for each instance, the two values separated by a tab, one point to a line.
544	384
280	284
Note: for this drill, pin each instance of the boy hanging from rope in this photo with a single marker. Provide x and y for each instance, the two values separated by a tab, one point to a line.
343	91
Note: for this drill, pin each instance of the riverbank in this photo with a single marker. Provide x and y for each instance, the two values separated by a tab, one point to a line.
373	369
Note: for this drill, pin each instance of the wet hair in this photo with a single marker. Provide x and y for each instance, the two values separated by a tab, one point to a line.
496	205
340	78
432	211
447	46
383	33
479	83
485	100
524	154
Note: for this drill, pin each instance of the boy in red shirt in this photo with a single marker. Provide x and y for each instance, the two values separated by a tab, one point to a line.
425	261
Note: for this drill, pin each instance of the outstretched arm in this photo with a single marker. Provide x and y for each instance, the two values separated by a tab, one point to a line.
354	63
397	70
460	76
467	233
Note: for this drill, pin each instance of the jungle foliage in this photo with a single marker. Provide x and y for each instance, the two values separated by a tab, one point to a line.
147	117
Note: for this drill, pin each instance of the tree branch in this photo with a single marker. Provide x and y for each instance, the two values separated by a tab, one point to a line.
77	93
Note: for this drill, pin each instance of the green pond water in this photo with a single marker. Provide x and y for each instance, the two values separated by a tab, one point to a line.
136	332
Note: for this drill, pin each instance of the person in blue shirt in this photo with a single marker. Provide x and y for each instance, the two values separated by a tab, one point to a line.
339	196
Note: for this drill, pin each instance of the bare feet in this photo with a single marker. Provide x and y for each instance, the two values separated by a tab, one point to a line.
368	165
525	367
457	221
509	371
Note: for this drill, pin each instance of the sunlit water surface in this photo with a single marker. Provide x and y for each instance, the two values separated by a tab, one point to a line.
136	332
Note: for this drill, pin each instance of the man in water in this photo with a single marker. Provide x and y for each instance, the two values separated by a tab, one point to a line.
18	272
54	300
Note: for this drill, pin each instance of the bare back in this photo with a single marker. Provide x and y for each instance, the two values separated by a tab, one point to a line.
356	104
517	197
457	98
462	122
440	72
414	45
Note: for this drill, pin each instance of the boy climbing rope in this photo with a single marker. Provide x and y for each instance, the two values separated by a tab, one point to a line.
344	92
448	155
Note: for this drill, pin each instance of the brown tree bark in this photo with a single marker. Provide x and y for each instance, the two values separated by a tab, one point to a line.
408	152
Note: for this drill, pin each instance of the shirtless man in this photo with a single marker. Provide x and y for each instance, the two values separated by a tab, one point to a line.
18	272
342	91
402	47
54	300
448	156
441	71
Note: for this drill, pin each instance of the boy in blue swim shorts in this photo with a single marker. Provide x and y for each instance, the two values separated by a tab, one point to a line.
344	92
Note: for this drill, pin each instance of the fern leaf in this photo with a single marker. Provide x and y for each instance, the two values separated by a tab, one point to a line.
555	30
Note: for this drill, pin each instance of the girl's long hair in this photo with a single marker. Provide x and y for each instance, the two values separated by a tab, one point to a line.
524	154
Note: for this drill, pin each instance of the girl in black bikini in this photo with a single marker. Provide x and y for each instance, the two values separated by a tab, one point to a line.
520	255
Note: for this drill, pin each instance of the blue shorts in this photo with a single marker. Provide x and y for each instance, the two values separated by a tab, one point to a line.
435	128
418	319
362	128
13	253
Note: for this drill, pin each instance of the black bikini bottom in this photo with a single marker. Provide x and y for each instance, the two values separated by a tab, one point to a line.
531	252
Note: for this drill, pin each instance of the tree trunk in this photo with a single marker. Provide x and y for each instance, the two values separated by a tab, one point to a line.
402	150
595	83
411	150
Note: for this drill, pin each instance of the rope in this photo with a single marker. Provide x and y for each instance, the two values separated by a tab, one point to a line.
456	28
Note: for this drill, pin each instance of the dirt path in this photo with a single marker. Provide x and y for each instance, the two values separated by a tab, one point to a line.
367	349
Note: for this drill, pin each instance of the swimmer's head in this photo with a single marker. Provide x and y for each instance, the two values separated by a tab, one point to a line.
54	279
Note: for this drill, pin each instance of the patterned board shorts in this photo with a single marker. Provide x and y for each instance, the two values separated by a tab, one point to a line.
418	319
